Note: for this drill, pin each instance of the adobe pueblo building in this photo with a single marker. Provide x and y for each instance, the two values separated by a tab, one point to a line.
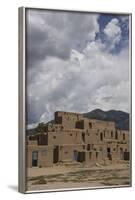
72	138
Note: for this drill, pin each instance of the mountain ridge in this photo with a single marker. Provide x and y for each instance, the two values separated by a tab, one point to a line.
120	118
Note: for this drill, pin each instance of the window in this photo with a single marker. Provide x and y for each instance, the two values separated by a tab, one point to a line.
123	136
90	125
111	134
116	135
83	137
96	154
88	147
70	134
54	137
101	136
34	155
83	146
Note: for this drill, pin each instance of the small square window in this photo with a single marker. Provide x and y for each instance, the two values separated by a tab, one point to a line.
54	137
111	134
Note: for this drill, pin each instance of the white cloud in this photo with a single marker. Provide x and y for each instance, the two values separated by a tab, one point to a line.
31	126
81	84
113	32
110	96
56	33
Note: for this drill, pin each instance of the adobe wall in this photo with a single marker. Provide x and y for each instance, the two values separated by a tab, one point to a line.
93	157
65	137
67	119
85	123
45	155
55	127
66	152
72	132
123	135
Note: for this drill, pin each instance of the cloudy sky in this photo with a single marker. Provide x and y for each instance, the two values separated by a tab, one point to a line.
76	62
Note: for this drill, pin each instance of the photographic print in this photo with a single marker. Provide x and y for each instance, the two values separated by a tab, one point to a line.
77	100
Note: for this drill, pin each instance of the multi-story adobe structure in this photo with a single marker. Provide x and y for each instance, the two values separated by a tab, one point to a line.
73	138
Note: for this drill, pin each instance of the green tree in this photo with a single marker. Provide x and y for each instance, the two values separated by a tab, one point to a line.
40	127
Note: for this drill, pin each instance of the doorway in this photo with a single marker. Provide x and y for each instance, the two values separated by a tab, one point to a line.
108	150
83	137
101	136
109	153
81	156
126	155
56	154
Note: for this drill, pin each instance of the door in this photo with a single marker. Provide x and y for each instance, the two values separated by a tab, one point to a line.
81	157
56	154
34	158
109	153
126	155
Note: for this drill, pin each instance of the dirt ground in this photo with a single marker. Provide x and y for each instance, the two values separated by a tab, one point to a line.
78	176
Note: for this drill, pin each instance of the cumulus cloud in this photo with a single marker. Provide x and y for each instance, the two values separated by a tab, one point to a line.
72	77
80	84
55	33
113	32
